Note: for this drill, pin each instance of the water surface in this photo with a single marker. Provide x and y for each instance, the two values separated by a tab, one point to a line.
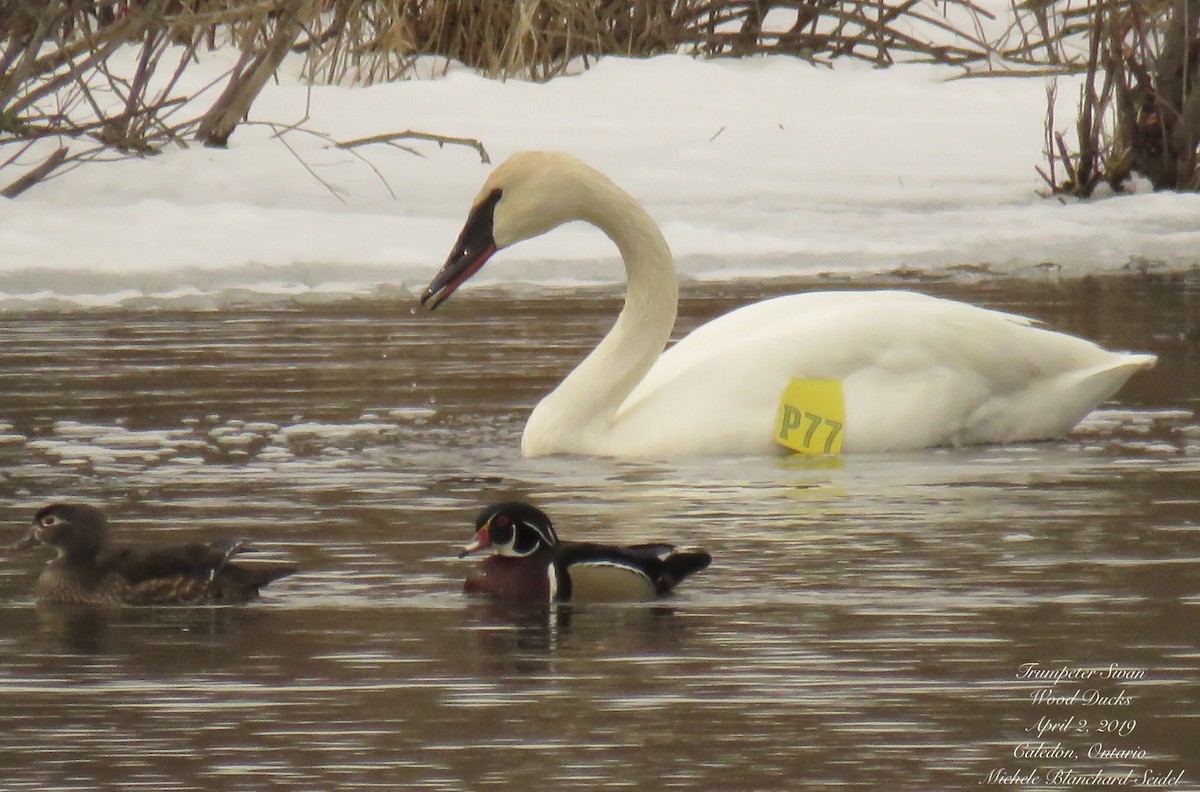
863	625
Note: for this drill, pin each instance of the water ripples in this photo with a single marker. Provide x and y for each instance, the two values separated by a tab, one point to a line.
860	627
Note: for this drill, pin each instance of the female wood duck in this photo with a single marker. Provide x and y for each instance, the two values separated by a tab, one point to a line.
531	564
88	571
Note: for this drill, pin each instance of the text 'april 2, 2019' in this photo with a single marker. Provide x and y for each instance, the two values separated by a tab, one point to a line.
1081	732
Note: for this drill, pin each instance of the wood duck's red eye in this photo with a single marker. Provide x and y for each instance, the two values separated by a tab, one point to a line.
500	531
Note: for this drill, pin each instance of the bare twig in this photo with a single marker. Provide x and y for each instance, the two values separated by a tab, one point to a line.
279	135
36	174
409	134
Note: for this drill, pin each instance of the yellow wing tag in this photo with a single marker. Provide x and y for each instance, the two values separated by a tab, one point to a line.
811	417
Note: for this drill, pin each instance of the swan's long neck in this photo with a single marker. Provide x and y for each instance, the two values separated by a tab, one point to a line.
586	402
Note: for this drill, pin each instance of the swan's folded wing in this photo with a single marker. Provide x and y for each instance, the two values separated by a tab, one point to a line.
914	370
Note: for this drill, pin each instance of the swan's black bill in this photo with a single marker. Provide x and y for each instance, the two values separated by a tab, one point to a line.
474	247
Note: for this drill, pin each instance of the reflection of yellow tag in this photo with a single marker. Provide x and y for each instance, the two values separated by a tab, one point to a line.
811	417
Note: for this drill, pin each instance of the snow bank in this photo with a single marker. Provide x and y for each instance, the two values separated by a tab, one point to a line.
755	167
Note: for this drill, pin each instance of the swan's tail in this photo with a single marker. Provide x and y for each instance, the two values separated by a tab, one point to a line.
1105	380
1052	407
1080	392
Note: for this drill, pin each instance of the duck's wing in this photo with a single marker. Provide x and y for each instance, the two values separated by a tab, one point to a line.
596	572
194	572
671	564
196	560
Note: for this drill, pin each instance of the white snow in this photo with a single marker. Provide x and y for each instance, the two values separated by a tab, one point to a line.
765	166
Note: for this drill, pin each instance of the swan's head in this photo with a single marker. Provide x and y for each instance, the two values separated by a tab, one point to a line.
529	194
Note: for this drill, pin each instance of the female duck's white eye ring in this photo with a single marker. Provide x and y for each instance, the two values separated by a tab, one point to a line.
49	521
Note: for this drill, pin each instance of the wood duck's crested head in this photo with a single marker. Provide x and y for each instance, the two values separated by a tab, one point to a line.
511	529
76	529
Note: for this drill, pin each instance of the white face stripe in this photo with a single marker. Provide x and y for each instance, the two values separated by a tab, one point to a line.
543	531
545	538
510	550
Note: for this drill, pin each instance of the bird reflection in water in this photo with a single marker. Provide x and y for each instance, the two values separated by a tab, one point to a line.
74	629
523	639
149	636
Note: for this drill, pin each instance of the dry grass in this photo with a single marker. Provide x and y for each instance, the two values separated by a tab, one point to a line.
369	40
1139	109
56	81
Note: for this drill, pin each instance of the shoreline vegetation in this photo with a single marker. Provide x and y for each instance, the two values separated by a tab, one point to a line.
69	96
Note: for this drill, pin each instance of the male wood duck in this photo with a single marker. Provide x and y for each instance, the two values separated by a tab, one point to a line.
530	563
89	571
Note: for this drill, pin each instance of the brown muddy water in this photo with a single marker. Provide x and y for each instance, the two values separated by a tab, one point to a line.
864	624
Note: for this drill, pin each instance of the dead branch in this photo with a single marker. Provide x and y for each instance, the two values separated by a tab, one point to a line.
36	174
231	107
409	134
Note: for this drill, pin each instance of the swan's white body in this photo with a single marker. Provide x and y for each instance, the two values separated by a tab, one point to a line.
916	371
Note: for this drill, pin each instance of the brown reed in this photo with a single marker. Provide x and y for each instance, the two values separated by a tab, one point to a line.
1140	58
1139	107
